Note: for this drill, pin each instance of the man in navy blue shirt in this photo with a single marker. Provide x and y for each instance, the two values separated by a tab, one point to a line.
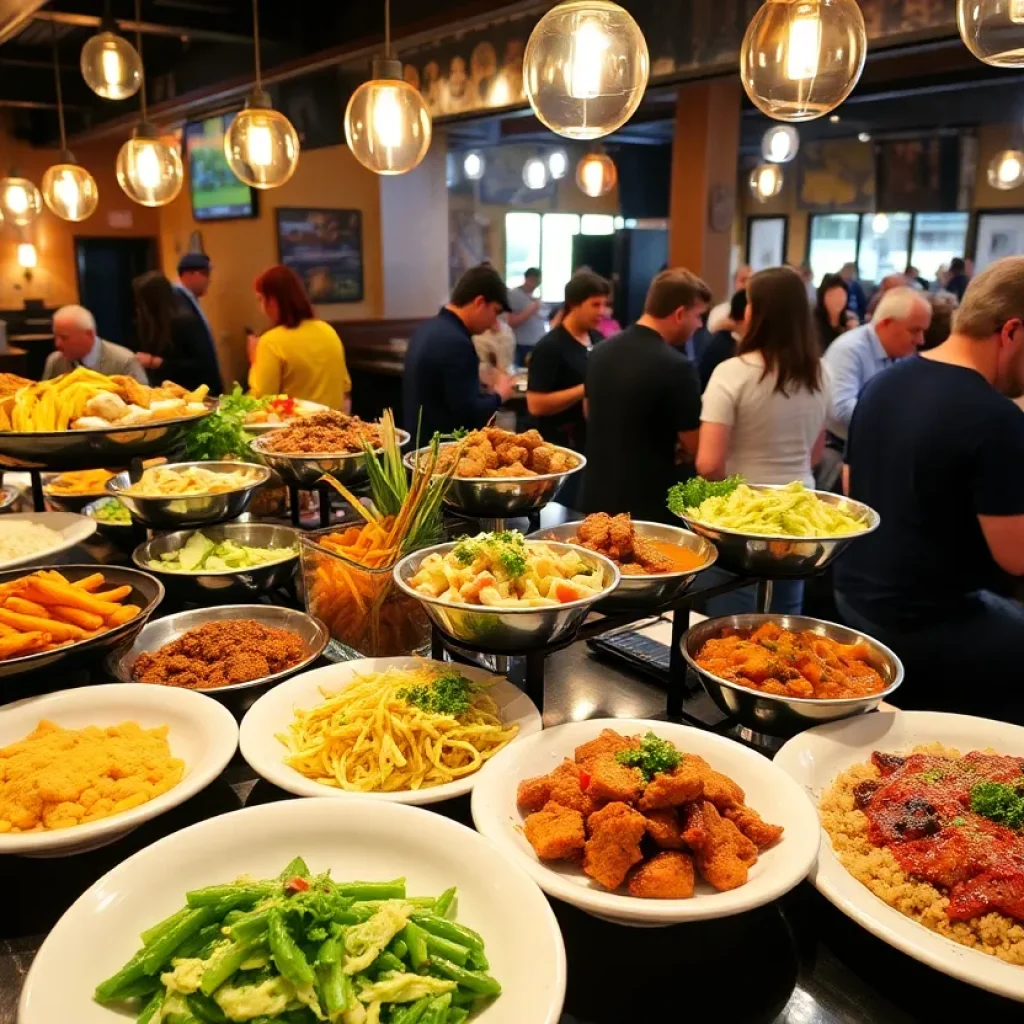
442	375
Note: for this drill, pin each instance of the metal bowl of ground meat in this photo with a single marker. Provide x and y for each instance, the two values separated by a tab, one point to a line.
246	639
504	497
305	468
648	578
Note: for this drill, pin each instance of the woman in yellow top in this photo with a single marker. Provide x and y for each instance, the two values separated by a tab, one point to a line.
300	356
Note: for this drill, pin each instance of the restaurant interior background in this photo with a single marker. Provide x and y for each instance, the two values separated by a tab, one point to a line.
897	174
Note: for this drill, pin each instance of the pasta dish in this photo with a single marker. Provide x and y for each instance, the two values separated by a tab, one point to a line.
505	571
403	729
166	482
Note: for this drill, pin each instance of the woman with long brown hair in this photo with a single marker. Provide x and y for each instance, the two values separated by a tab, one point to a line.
764	410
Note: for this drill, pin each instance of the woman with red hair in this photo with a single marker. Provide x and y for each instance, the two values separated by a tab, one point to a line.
300	356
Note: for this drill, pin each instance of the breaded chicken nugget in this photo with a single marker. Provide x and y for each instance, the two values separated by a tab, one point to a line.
608	743
556	832
614	844
671	789
509	454
533	794
610	780
753	826
469	468
529	439
540	458
722	853
566	789
718	788
664	828
666	876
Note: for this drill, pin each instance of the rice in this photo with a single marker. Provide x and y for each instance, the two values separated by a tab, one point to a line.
877	868
19	539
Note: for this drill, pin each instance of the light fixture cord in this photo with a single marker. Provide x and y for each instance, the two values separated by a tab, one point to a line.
256	42
138	46
387	29
60	95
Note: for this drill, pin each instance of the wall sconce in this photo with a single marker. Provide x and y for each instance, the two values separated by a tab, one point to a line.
27	258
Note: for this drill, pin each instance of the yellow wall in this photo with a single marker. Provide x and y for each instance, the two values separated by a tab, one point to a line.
241	249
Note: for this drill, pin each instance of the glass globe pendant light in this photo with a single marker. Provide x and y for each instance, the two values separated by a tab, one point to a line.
801	58
780	144
596	174
261	145
993	30
148	168
535	173
110	65
69	190
474	165
585	68
387	124
765	182
20	201
1006	170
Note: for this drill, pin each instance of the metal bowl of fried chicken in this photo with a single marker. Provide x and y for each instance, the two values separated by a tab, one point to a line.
501	475
648	578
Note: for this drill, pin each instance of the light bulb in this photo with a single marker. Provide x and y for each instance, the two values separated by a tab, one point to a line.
596	174
261	145
558	163
111	66
20	201
1006	170
535	173
864	137
387	124
780	143
801	58
27	255
69	190
993	30
149	169
585	68
474	165
765	181
879	223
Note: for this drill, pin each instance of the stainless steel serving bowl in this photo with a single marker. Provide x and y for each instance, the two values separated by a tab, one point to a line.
178	511
304	470
147	592
210	586
786	716
63	450
653	589
487	497
9	497
68	502
162	631
506	630
777	556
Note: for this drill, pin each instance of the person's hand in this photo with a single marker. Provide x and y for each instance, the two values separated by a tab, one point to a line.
148	361
504	386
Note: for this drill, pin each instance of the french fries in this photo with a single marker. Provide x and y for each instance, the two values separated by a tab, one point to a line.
44	610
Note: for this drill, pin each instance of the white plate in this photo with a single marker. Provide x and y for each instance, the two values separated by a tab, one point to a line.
274	711
201	732
816	757
357	839
72	530
768	790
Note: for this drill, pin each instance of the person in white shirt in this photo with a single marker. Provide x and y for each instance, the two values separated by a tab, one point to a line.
526	316
764	410
78	344
720	314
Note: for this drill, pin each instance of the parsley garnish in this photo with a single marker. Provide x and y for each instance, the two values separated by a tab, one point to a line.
697	490
654	755
999	802
449	694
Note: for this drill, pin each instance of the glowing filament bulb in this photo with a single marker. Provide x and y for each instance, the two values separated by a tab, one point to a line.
1017	11
27	256
260	145
111	63
387	119
586	60
593	177
803	43
66	190
147	167
17	199
1009	169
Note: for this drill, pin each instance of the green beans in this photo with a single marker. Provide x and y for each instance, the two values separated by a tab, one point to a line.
334	993
475	981
250	927
388	962
416	939
447	949
438	1010
204	1009
159	952
290	960
142	988
456	1015
399	948
444	902
477	960
331	950
200	942
446	929
151	1009
109	991
394	890
235	895
227	964
413	1012
154	933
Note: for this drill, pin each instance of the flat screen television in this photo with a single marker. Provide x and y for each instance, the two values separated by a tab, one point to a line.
216	193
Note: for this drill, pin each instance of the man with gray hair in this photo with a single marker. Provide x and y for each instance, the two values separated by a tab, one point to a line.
896	330
78	344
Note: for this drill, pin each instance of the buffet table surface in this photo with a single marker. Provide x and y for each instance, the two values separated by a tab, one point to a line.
797	961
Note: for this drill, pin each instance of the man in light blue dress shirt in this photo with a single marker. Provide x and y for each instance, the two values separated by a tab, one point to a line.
896	330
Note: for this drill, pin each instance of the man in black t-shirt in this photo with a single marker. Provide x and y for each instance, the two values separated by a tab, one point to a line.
643	403
937	449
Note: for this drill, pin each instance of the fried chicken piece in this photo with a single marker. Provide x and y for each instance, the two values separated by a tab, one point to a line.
753	826
671	789
494	435
593	531
533	794
614	844
482	453
469	468
718	788
620	534
666	876
556	832
560	462
566	789
632	569
540	458
722	853
134	392
663	827
610	780
509	454
517	469
650	557
608	743
530	440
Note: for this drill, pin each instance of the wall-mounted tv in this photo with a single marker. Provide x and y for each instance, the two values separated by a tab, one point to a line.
216	193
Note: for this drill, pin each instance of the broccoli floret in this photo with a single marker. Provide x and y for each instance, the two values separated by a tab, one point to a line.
999	802
654	755
696	490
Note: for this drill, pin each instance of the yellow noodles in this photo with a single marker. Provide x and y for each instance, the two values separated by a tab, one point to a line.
367	739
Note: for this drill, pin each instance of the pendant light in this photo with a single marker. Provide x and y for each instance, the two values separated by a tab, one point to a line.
261	145
69	190
535	173
801	58
585	68
387	124
993	30
20	201
1006	170
148	168
558	163
780	144
474	165
110	65
765	182
596	174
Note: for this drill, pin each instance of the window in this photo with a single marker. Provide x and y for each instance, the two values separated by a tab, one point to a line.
545	241
938	237
884	245
522	244
833	242
597	224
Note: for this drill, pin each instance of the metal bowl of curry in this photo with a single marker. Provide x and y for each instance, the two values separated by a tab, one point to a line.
808	665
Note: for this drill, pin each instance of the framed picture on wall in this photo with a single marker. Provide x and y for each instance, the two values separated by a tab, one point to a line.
325	248
766	241
999	233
